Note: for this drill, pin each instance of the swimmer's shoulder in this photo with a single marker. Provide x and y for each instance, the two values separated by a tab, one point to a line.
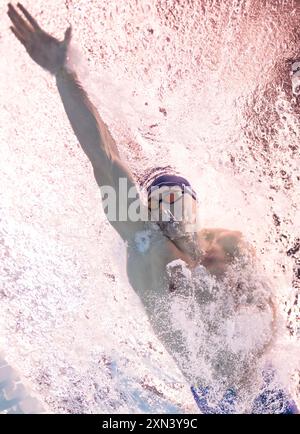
232	242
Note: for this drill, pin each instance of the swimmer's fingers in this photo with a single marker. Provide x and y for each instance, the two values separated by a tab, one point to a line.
68	36
29	17
18	35
21	26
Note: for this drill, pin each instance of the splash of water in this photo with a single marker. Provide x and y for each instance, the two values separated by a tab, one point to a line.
203	87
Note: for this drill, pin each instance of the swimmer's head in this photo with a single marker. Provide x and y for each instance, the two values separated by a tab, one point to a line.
172	204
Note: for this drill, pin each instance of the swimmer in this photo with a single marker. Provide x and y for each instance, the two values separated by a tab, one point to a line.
164	245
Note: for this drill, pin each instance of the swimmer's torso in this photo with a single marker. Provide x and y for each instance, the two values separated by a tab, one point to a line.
162	274
150	252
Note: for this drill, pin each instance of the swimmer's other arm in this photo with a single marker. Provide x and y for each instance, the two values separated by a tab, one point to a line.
244	249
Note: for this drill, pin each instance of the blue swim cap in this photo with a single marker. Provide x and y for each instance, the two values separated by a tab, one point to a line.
169	181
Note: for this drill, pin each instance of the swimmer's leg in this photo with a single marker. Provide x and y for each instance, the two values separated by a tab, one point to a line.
225	406
274	401
272	398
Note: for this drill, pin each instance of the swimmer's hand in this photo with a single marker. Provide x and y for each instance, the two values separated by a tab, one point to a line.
46	51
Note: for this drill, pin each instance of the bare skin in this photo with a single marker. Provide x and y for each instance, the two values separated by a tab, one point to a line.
215	249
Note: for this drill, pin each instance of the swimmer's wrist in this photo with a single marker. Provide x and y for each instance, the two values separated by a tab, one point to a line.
63	71
65	68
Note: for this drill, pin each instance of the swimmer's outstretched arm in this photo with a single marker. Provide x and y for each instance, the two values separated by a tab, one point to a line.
91	132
